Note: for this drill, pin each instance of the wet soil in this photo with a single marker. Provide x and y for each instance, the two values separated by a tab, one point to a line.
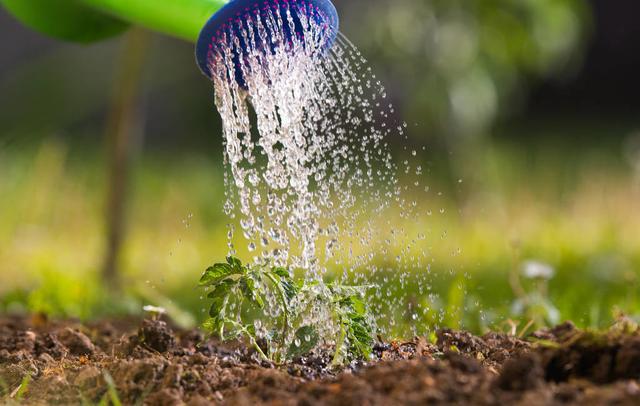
148	362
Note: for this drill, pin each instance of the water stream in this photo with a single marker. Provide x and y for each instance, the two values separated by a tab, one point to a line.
310	178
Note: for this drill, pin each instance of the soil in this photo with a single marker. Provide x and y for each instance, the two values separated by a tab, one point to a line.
149	362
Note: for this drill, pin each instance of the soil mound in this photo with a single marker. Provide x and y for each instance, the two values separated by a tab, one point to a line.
148	362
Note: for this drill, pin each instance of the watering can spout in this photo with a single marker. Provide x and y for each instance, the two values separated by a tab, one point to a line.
237	21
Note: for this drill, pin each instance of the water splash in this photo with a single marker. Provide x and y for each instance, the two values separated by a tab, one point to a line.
309	170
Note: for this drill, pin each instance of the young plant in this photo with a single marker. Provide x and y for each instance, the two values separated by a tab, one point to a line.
282	318
237	292
356	330
534	303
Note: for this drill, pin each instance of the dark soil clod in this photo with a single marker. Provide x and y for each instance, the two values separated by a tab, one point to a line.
76	342
521	374
156	335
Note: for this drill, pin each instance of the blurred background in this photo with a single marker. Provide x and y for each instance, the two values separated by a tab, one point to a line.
111	187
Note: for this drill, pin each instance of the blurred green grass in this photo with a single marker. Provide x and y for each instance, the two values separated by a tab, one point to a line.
579	215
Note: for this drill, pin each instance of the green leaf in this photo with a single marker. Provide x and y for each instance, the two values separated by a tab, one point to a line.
358	306
248	288
290	289
216	273
281	272
212	324
222	289
307	337
236	264
359	332
360	336
217	306
220	295
65	19
346	303
251	329
215	325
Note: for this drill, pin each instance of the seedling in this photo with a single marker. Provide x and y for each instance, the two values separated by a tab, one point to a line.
356	332
283	318
154	311
534	304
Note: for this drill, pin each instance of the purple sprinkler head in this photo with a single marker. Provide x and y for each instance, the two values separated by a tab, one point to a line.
245	26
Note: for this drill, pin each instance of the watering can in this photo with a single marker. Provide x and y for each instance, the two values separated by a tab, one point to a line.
197	21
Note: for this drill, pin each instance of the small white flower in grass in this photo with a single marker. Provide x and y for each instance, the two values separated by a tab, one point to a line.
537	270
155	311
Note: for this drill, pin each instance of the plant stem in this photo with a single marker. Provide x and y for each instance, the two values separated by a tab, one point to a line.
339	343
285	309
257	347
253	340
224	306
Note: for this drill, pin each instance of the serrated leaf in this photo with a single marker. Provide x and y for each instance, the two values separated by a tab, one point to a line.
248	288
215	274
353	304
360	336
361	331
358	306
307	337
347	303
236	264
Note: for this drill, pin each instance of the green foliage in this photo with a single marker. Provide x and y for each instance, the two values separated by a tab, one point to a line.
60	294
241	295
65	19
234	285
306	338
466	60
356	331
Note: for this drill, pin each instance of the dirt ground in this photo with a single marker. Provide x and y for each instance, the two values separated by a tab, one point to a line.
147	362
